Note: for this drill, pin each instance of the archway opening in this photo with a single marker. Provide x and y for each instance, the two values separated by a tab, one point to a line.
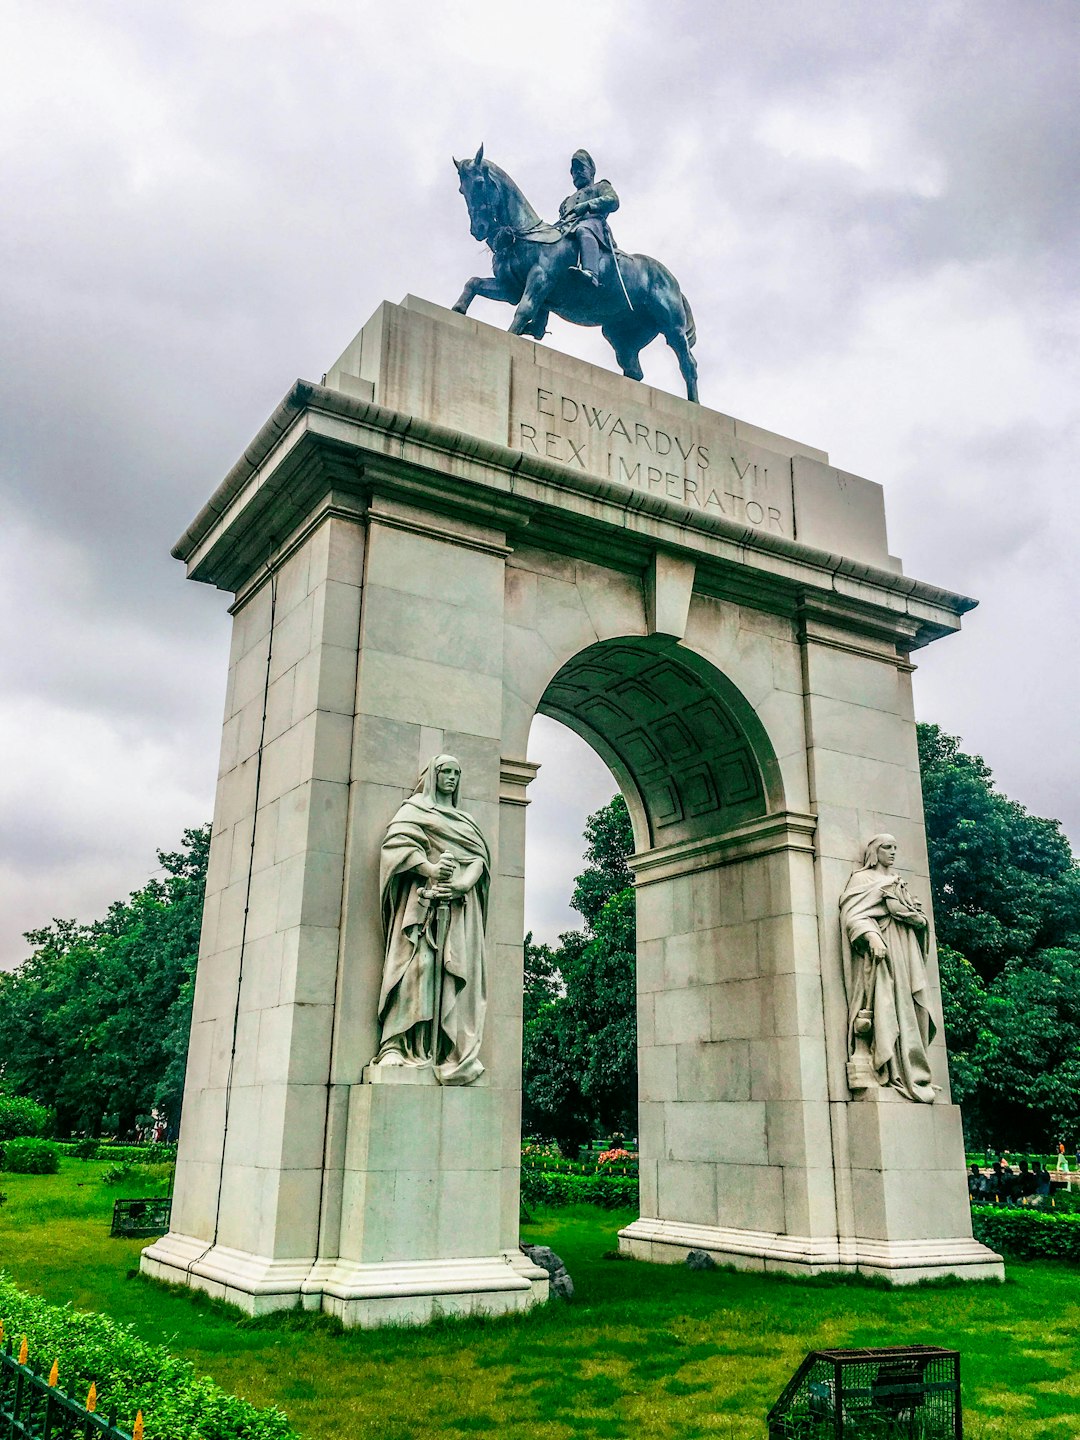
689	758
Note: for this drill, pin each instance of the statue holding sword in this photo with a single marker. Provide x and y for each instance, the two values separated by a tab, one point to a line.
435	878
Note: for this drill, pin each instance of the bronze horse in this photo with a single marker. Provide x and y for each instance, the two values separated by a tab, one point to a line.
531	264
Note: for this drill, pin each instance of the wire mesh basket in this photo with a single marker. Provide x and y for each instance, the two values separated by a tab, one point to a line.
902	1392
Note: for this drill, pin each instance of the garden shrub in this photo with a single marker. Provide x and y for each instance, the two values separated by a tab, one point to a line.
1027	1234
20	1117
553	1187
150	1154
132	1375
85	1149
29	1157
117	1174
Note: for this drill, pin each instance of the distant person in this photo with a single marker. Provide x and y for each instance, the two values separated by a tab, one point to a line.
1062	1159
1042	1181
997	1182
1027	1181
976	1184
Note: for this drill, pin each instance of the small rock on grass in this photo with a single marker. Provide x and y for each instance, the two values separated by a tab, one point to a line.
558	1278
700	1260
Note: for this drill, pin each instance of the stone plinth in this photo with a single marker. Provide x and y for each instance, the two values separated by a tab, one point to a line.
457	530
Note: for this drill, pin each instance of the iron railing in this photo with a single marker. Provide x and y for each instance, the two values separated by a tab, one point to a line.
32	1409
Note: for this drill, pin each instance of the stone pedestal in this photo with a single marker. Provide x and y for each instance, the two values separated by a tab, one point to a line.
457	530
420	1230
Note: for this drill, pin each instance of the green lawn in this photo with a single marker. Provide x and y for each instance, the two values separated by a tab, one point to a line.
647	1351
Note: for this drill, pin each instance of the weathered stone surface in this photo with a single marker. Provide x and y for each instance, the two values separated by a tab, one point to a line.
412	578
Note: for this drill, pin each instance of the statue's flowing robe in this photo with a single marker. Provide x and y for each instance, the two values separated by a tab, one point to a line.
896	989
422	831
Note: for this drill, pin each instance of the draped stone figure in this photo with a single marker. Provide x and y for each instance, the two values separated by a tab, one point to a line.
435	878
885	934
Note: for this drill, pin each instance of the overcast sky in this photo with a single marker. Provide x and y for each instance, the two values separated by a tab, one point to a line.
873	208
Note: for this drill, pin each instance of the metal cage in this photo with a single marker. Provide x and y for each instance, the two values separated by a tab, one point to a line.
902	1392
141	1217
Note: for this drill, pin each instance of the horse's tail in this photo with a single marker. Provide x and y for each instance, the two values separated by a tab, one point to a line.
691	328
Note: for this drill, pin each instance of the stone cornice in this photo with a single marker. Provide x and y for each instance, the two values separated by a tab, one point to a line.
455	470
515	777
785	830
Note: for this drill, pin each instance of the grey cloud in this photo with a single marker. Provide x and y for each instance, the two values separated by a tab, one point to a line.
204	202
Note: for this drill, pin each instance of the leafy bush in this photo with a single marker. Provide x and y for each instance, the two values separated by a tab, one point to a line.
552	1187
132	1375
1028	1234
30	1157
85	1149
20	1117
117	1174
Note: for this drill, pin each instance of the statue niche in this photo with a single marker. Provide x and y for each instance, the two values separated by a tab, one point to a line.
435	874
885	934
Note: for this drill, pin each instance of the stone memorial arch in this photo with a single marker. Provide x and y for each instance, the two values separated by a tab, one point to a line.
458	529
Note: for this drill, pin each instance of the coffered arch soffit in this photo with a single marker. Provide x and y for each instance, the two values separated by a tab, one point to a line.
687	749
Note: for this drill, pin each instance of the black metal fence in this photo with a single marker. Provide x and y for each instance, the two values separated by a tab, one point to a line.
32	1409
141	1217
903	1392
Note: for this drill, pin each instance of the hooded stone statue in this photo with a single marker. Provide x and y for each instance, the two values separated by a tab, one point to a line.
884	938
435	874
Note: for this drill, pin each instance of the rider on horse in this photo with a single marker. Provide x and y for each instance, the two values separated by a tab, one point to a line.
584	215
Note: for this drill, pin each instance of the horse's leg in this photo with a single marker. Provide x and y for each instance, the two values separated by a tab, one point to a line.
676	325
532	310
487	289
676	338
627	345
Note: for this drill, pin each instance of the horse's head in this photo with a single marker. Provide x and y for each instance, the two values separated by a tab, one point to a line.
482	195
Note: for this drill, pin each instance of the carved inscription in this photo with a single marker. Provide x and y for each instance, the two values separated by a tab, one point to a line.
719	479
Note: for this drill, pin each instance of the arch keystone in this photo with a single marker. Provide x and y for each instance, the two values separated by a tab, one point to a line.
669	584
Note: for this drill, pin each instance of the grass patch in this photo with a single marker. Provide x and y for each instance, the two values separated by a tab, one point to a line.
645	1351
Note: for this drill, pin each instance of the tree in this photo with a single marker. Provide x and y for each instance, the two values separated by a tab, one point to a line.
1006	893
1005	883
95	1022
543	980
580	1040
609	845
1028	1050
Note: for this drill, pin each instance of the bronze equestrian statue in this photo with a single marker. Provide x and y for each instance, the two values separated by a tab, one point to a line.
573	267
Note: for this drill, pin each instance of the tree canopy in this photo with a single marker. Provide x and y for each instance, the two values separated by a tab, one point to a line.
1005	883
1006	890
95	1023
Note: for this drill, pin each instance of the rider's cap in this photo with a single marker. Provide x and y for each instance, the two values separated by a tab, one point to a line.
583	155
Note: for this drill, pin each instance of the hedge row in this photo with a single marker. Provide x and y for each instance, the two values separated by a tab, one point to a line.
104	1150
29	1157
1027	1234
552	1187
131	1375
